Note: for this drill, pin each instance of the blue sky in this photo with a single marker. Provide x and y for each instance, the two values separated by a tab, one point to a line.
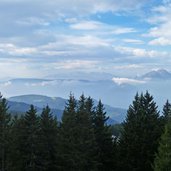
125	38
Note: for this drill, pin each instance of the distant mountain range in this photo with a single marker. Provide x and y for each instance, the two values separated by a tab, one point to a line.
112	90
19	108
21	104
157	74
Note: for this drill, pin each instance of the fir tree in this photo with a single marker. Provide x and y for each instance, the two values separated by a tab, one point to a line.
48	140
77	136
68	136
162	161
104	139
166	112
4	133
140	136
16	144
163	157
86	143
30	141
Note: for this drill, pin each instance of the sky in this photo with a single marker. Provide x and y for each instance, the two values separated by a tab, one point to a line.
44	37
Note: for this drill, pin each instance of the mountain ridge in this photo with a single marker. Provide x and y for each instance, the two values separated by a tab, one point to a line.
157	74
116	114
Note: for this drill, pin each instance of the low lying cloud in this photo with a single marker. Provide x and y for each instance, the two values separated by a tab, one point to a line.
126	67
121	81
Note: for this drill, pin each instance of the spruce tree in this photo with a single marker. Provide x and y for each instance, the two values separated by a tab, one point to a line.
166	112
77	136
68	136
48	140
30	141
162	161
86	143
140	136
103	135
17	144
4	133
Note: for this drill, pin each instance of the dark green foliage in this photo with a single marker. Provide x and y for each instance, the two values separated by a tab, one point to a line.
25	142
48	140
31	139
4	134
68	134
162	161
86	136
166	112
77	135
16	144
103	135
140	136
83	141
116	130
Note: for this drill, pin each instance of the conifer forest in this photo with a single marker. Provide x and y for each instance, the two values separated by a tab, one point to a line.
82	141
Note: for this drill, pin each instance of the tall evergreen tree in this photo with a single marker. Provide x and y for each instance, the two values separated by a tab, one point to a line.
4	133
166	112
104	139
86	143
16	144
68	136
30	141
77	136
48	140
140	136
162	161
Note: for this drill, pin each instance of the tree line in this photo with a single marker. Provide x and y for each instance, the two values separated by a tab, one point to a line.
82	141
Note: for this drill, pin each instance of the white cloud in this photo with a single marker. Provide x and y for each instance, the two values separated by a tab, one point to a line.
161	32
126	67
11	49
76	64
86	25
133	41
137	52
121	81
32	21
160	41
101	27
5	84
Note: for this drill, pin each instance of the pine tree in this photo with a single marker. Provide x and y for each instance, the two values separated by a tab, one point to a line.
48	140
68	136
77	136
86	143
162	161
140	136
4	133
16	144
105	150
30	141
166	112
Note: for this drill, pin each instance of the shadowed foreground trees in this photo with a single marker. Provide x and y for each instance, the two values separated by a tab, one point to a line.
83	141
162	160
140	136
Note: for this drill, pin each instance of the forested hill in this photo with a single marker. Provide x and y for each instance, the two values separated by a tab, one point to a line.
83	140
22	103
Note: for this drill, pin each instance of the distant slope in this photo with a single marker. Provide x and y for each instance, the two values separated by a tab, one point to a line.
157	74
116	115
41	101
21	108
